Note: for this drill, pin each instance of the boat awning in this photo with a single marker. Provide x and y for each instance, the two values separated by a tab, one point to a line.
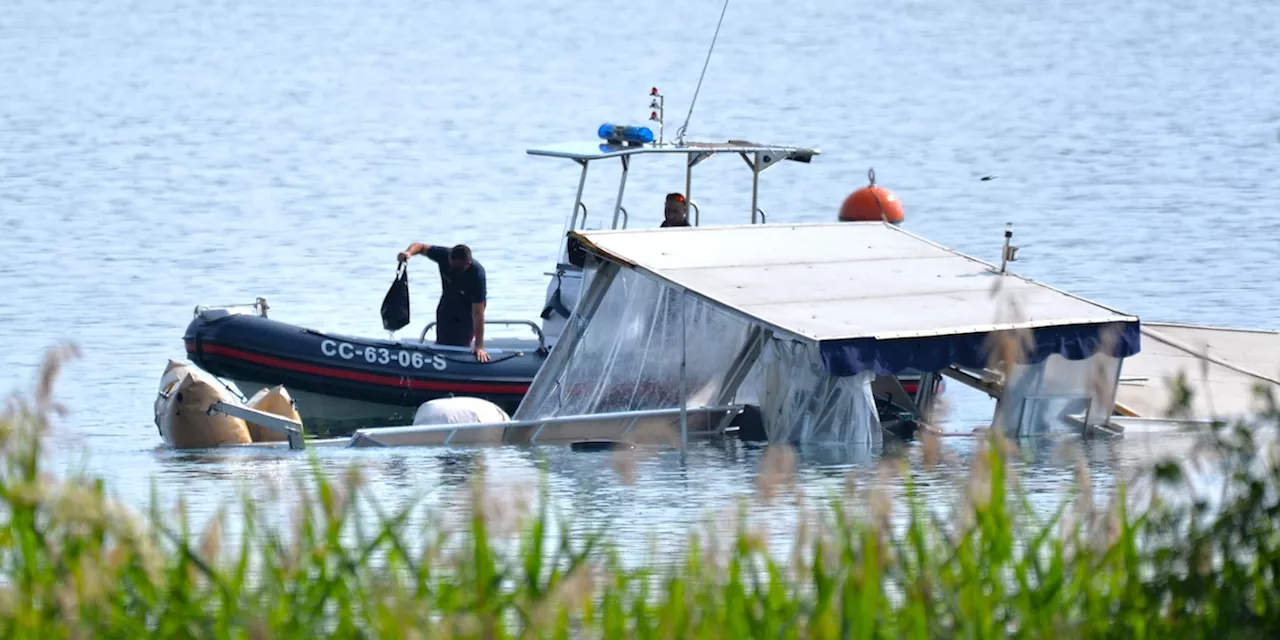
871	295
597	150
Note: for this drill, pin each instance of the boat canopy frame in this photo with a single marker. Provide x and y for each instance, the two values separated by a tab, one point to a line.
758	158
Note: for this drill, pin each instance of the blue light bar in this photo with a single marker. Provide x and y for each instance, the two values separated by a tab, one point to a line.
616	133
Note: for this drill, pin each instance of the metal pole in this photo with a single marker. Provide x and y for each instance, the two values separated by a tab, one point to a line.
755	187
741	366
688	188
684	400
582	183
622	184
1004	251
291	429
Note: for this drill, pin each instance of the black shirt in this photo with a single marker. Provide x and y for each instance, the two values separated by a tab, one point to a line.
458	291
682	223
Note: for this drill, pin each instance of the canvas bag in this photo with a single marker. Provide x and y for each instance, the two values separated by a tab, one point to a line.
395	306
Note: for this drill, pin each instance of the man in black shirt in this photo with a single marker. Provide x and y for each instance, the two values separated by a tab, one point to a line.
463	290
677	211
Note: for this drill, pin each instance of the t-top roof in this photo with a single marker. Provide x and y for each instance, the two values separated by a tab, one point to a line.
598	149
859	288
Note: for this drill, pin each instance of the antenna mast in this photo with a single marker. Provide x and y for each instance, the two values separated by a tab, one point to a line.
684	127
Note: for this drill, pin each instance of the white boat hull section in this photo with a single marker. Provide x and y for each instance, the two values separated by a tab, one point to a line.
1221	365
645	426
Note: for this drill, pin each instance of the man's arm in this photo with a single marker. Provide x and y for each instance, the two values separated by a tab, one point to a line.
479	299
421	248
477	317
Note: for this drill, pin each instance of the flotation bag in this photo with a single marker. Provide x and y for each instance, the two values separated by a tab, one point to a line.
277	401
182	410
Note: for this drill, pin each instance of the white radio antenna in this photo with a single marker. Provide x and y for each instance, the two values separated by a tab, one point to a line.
684	127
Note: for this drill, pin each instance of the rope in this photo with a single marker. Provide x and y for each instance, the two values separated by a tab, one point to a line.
684	127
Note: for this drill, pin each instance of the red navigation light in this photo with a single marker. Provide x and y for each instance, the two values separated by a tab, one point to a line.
653	91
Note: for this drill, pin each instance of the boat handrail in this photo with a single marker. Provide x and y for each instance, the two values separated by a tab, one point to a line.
542	341
697	213
573	223
625	217
764	219
259	307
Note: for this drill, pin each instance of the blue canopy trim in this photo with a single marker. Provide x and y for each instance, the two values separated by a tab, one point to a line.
935	353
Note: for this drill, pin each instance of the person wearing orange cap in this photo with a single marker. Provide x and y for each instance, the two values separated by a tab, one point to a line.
676	212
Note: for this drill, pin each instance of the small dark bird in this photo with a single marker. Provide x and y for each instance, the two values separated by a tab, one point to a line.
986	178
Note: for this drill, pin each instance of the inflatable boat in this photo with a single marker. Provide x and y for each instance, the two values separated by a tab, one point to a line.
341	383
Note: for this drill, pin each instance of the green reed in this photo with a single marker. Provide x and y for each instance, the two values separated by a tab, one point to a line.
75	563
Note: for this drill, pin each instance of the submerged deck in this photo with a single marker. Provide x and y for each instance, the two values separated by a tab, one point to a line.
1221	366
873	296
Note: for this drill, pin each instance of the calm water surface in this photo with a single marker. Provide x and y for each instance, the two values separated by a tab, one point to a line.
158	155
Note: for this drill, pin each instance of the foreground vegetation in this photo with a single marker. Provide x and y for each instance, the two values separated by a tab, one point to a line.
74	563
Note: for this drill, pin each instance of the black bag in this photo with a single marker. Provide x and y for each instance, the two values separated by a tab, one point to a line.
395	307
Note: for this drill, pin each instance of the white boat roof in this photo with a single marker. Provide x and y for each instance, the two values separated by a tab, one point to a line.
845	281
598	149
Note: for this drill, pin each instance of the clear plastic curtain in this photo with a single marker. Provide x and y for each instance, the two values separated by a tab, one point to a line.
629	355
801	403
1050	396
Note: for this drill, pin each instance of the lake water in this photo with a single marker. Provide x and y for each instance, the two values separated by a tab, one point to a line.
159	155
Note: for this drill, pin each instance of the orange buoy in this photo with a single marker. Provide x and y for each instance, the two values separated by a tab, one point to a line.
872	203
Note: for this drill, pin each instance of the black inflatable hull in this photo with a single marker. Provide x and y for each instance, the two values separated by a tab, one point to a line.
343	383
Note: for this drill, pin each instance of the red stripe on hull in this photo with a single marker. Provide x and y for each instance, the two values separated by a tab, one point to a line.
356	376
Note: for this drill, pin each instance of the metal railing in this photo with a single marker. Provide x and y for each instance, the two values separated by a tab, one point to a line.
289	428
405	434
542	341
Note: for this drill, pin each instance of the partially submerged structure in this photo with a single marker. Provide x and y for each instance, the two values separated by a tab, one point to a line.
1221	368
683	328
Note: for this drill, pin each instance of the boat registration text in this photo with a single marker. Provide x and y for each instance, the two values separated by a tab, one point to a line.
382	355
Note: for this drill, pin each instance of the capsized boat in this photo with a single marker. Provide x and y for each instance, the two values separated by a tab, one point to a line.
704	324
341	383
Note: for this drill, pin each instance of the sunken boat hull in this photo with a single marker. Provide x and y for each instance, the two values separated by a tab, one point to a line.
342	383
